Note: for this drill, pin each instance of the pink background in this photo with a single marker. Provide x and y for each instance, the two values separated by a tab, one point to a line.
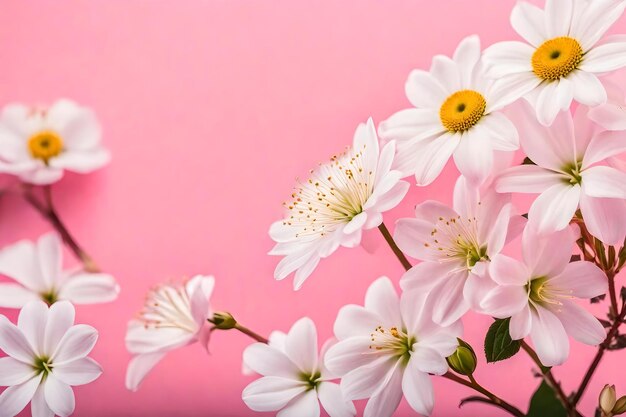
211	110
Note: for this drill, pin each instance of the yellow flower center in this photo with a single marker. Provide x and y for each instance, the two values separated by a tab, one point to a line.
462	110
45	145
556	58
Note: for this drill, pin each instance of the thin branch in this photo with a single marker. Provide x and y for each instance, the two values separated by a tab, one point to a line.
251	334
396	250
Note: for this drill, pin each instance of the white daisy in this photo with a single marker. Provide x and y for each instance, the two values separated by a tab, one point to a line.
563	56
39	144
456	114
340	200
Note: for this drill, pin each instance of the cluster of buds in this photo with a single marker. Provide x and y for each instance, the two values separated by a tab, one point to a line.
609	404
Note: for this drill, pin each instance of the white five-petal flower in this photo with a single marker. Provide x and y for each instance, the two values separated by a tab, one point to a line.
455	245
568	175
564	55
38	144
456	114
387	349
37	270
341	199
538	294
174	315
295	380
46	356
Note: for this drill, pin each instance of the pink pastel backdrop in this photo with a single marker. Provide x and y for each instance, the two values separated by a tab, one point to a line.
211	110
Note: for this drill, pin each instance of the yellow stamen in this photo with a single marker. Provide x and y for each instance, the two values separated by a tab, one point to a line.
462	110
45	145
556	58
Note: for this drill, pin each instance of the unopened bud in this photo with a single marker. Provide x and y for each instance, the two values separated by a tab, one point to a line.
620	406
463	360
223	320
607	399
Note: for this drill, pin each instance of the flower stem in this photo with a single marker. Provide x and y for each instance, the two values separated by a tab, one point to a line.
491	398
251	334
48	211
396	250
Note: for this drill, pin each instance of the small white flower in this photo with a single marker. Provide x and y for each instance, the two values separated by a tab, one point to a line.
538	294
340	200
455	245
174	315
38	144
456	114
564	54
388	348
295	380
46	356
37	268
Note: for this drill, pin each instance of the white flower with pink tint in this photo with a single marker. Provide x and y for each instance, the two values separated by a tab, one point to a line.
569	175
612	114
46	356
539	292
341	199
564	55
174	315
455	245
388	348
295	380
456	114
39	144
37	269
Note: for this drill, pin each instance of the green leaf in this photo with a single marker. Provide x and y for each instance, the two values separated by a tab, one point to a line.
498	343
545	403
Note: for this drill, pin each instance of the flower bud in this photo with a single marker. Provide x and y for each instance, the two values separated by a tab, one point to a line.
463	360
620	406
223	320
607	399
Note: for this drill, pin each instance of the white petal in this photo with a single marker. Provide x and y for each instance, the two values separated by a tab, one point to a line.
305	405
333	402
14	399
423	90
32	323
505	301
78	125
39	406
587	88
271	393
411	235
386	401
19	261
60	319
549	103
143	339
475	289
368	379
78	372
418	389
14	372
269	361
429	360
139	367
13	342
604	145
59	396
87	288
528	21
520	324
501	131
350	354
558	15
353	320
549	337
449	304
431	211
15	295
466	56
382	299
75	344
604	58
499	230
527	179
605	218
446	71
50	259
602	181
611	116
301	344
582	279
415	124
508	271
547	255
434	157
580	324
474	155
507	58
554	208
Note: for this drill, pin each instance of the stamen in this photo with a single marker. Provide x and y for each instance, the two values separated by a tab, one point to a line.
45	145
462	110
556	58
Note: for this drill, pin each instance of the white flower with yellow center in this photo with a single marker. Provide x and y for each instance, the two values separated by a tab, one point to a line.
563	57
455	115
388	348
39	144
340	200
174	315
